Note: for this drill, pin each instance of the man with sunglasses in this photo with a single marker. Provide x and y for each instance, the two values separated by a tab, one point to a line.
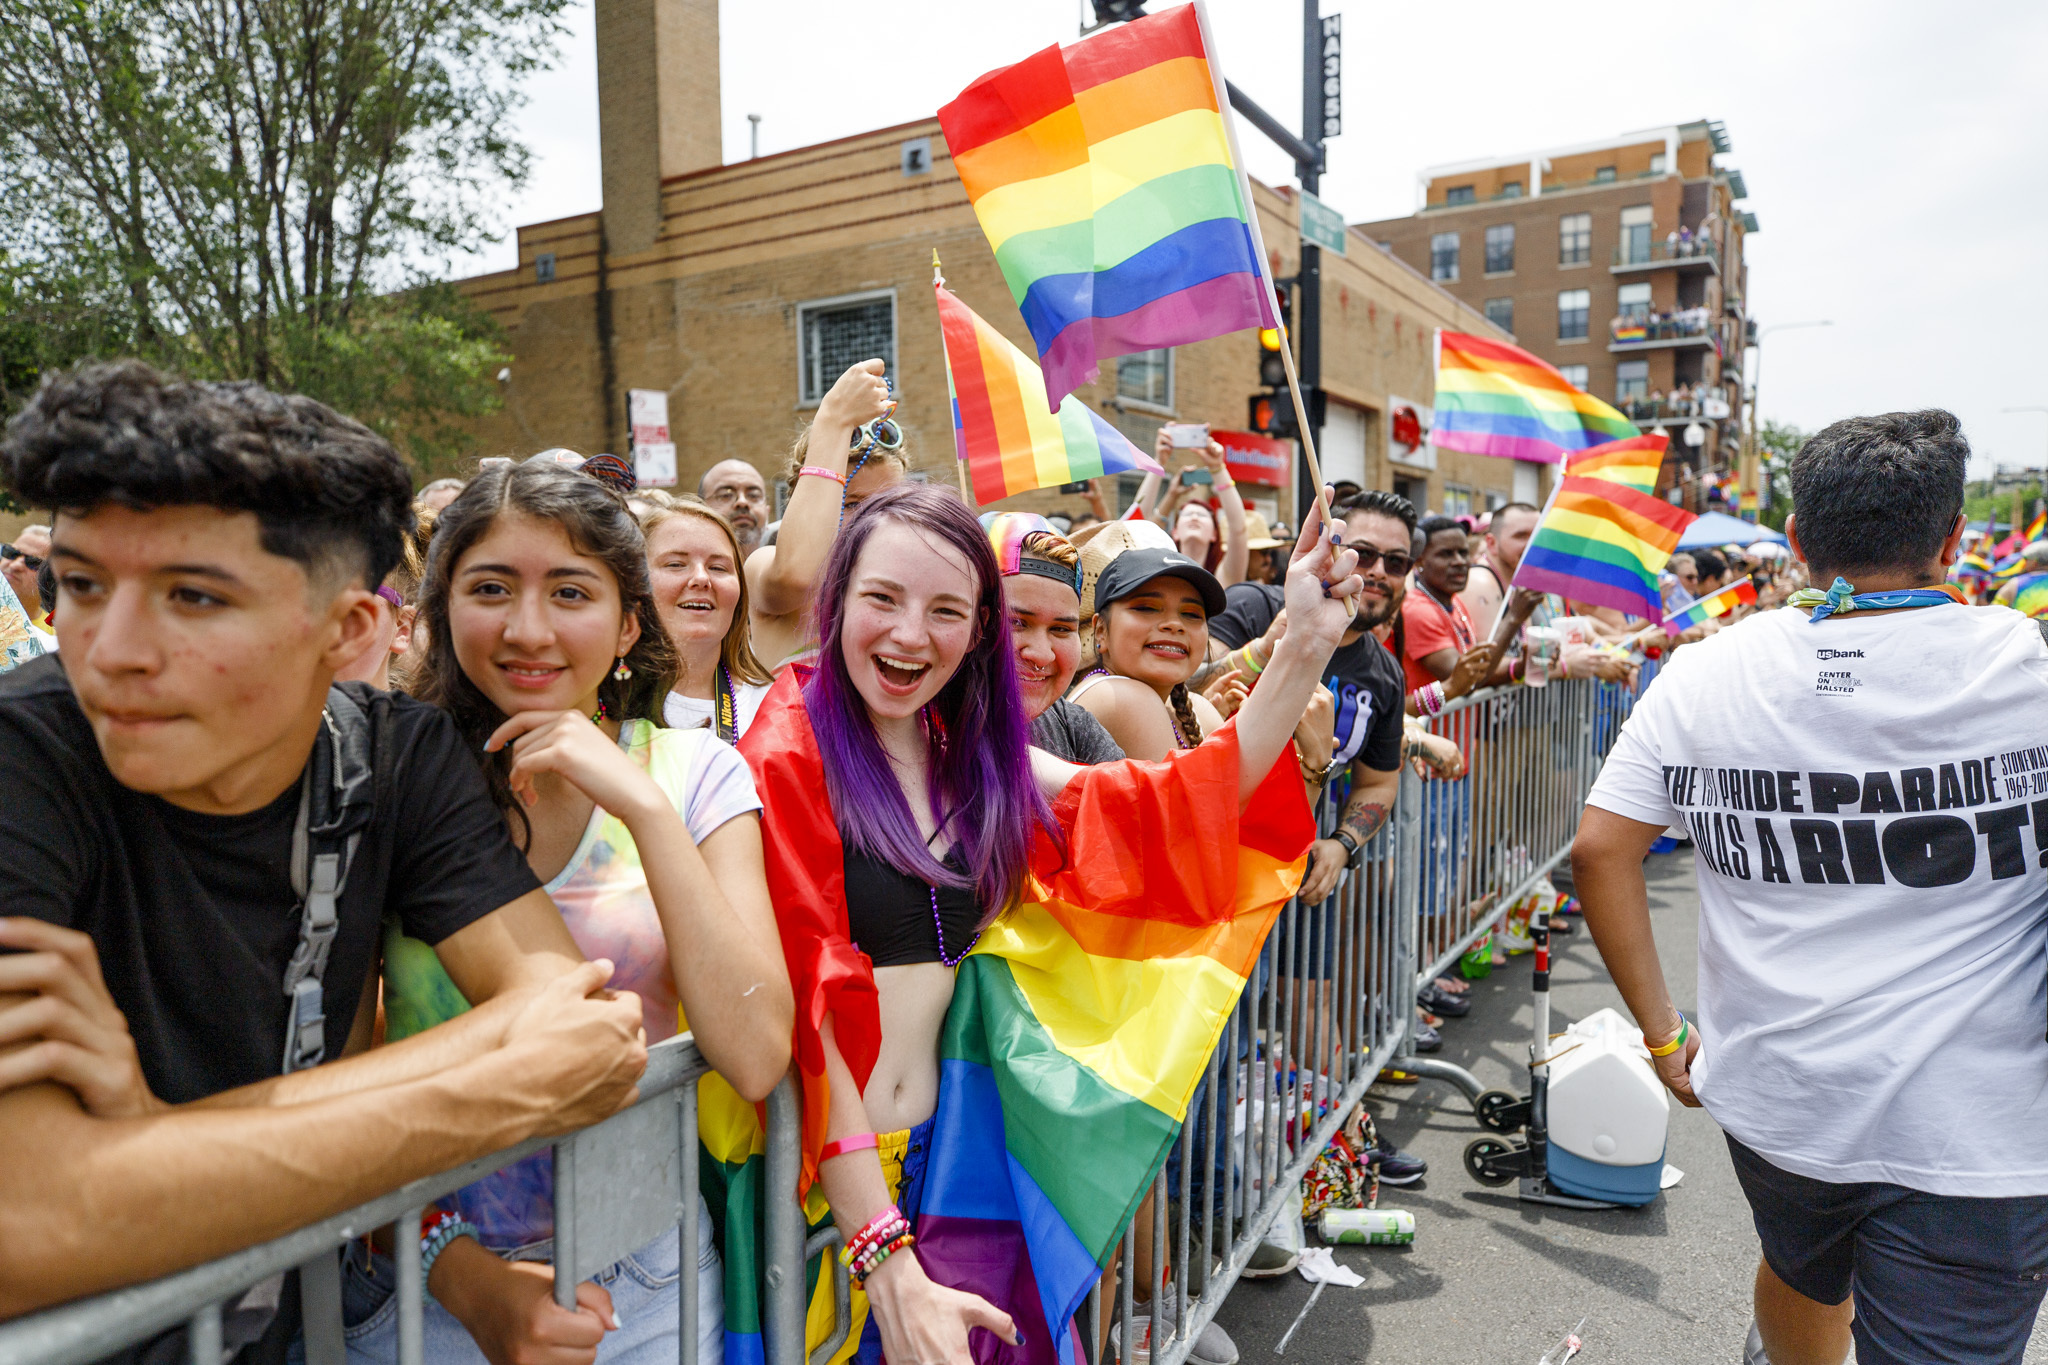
1362	675
21	561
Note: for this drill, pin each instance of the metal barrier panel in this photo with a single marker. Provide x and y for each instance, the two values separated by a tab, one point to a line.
618	1185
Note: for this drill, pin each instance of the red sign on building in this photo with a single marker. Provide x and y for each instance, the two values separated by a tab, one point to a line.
1251	458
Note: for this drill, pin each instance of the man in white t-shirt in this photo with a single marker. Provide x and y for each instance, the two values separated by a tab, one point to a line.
1868	796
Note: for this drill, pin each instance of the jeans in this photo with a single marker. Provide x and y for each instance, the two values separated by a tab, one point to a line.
646	1299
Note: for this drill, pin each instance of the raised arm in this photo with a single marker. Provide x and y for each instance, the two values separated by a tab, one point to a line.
781	576
1236	554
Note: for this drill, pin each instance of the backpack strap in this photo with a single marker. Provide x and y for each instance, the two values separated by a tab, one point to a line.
344	776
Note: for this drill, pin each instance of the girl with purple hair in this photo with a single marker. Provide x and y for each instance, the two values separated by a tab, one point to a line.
903	803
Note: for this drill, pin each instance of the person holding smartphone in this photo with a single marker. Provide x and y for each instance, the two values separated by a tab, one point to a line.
1195	529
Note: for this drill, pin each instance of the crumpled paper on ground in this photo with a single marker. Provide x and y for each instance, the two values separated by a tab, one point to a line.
1318	1266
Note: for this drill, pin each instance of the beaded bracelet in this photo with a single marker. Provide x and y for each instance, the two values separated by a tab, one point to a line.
876	1255
1684	1031
437	1230
884	1226
820	472
1431	698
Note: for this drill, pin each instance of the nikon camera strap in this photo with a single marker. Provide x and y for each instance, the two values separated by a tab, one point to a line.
336	800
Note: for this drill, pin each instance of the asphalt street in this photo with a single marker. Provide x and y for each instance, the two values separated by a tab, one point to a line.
1490	1280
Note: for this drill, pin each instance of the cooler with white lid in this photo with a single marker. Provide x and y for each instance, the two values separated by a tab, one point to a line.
1608	1112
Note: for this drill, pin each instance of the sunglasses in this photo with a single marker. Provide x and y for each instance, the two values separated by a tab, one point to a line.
1398	564
10	552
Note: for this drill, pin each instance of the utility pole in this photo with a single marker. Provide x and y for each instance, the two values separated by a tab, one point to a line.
1308	316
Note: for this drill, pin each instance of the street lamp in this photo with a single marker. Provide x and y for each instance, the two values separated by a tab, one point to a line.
1750	481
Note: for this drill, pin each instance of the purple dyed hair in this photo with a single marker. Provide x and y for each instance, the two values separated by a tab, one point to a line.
981	788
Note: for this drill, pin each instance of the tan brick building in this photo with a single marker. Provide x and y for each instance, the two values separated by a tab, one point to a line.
743	291
1620	262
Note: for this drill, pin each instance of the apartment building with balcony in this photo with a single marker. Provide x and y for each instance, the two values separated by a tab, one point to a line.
1620	262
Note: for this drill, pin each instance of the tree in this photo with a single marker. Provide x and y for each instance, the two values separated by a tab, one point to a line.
1776	444
257	189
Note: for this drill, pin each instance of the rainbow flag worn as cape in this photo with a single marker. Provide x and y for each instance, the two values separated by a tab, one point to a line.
1107	178
2027	594
1497	399
1604	537
1081	1023
1010	443
1717	603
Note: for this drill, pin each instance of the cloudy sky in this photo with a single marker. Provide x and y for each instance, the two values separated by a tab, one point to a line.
1896	152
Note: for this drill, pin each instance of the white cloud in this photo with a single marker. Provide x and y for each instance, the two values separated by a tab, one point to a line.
1896	152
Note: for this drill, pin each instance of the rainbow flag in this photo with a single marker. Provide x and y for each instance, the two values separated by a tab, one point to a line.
1603	538
2029	595
2038	527
1742	592
1009	444
1497	399
1107	178
1972	566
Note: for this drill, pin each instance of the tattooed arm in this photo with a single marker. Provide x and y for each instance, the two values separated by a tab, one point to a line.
1365	814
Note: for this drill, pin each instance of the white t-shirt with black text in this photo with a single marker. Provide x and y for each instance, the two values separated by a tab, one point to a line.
1868	797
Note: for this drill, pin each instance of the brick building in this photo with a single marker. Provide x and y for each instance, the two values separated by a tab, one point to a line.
1620	262
743	291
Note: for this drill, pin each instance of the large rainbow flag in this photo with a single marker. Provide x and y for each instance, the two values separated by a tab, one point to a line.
1604	537
1497	399
1107	178
1010	442
1082	1021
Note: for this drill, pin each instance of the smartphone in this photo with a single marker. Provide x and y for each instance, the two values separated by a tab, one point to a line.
1078	486
1197	476
492	462
1188	435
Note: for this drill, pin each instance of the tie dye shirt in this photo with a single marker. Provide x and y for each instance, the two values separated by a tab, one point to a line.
603	896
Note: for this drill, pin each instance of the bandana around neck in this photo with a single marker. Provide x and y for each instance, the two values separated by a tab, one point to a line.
1842	599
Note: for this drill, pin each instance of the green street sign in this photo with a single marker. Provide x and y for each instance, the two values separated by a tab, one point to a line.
1321	224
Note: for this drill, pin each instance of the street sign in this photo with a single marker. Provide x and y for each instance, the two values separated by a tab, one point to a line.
1333	76
1321	225
654	453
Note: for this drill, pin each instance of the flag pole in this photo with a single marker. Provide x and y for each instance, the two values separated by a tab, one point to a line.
959	460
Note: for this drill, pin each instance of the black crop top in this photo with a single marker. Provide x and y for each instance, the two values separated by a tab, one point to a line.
890	914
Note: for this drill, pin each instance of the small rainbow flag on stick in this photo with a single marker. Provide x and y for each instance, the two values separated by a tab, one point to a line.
1604	537
1497	399
1107	178
1742	592
1010	442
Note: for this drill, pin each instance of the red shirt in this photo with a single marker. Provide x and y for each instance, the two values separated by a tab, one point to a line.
1429	628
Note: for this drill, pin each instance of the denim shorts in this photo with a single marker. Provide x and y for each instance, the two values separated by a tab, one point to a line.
646	1298
1936	1276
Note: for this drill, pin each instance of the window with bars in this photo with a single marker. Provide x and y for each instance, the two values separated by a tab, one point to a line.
837	334
1501	313
1443	256
1500	248
1575	239
1572	307
1146	377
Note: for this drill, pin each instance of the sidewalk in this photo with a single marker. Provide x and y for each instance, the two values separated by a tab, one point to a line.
1492	1281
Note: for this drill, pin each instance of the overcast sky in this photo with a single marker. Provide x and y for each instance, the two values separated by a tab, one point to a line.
1896	152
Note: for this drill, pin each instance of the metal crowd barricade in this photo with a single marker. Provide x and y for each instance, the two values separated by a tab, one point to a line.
1332	1001
618	1184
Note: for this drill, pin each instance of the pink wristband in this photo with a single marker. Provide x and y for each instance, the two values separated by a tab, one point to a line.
820	472
853	1142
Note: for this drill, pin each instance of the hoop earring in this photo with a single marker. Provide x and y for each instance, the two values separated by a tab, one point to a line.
623	671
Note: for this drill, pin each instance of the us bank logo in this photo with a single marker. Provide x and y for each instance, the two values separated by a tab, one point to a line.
1838	654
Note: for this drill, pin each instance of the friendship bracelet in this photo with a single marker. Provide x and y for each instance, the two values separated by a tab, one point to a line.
889	1223
438	1230
1684	1031
815	471
878	1255
853	1142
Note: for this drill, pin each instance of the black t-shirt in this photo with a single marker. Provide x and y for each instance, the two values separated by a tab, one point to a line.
194	916
1365	679
1069	730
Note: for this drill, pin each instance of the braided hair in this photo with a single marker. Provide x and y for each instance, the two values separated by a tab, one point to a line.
1183	706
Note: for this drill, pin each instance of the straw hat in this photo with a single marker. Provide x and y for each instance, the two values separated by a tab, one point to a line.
1110	542
1258	535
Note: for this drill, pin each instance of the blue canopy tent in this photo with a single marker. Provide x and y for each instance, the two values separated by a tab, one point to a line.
1718	528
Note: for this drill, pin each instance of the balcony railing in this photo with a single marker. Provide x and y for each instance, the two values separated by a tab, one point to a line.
1698	253
1706	404
1687	326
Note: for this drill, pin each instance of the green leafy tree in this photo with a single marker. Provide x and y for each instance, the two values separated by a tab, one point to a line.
1776	443
260	189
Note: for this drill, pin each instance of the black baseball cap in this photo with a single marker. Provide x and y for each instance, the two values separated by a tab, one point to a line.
1133	569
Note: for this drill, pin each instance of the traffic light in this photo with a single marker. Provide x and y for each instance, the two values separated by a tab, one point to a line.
1117	11
1272	365
1272	414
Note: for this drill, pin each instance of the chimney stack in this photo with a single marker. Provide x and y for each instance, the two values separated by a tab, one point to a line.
657	105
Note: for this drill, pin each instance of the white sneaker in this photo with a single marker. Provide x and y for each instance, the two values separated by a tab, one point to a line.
1753	1349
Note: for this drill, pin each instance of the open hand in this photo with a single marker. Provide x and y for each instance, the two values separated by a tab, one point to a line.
1227	692
58	1022
925	1323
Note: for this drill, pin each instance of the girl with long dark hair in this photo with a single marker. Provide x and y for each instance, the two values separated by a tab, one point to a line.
905	808
546	645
